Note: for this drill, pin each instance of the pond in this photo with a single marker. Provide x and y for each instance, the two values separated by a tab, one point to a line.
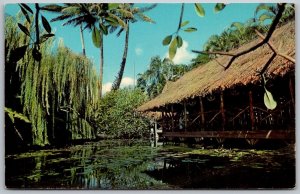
136	164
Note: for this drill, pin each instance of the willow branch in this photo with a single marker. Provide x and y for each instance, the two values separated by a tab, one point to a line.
289	58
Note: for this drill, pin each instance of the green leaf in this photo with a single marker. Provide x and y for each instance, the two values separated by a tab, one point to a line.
27	7
262	6
96	37
25	14
219	7
167	40
18	53
71	10
269	101
24	29
199	10
103	28
119	21
113	5
45	37
191	29
184	23
238	25
36	54
52	7
179	41
46	24
112	21
13	114
264	17
173	48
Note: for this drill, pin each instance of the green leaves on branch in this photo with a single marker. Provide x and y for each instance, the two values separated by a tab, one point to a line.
199	10
265	16
24	29
269	101
173	48
25	14
27	7
45	37
179	41
263	6
113	5
96	37
112	21
24	9
191	29
46	24
175	43
167	40
184	23
13	114
219	7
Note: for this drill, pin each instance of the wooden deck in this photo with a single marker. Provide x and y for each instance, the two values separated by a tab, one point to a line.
259	134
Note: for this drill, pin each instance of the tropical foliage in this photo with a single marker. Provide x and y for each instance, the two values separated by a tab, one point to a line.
116	116
153	80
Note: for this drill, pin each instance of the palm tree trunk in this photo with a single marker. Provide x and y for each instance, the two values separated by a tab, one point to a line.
101	65
82	40
118	80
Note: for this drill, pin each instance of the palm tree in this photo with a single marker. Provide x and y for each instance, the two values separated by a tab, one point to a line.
74	14
153	80
135	14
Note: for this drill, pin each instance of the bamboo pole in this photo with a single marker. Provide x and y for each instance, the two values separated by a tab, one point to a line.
222	110
202	113
251	110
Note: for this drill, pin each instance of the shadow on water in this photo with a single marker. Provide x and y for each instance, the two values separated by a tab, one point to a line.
116	164
228	169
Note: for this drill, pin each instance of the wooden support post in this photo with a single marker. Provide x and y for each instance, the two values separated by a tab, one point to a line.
251	110
155	129
185	116
172	117
291	86
222	110
202	114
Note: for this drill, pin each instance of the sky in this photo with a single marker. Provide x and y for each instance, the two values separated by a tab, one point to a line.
145	39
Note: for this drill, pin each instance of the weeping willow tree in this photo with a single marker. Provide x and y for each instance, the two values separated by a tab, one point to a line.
58	94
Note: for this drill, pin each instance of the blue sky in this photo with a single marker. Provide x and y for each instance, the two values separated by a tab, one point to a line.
145	39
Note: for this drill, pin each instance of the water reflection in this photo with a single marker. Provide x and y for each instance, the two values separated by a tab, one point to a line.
138	165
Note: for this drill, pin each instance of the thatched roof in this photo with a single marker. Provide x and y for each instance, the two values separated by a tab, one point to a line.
212	77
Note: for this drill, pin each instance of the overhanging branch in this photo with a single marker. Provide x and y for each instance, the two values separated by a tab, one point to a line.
281	7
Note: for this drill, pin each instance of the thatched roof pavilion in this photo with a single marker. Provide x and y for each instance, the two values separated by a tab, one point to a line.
212	77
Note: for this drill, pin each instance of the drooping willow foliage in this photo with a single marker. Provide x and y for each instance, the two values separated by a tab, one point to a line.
57	94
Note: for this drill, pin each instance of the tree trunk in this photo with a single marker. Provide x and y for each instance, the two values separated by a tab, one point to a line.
118	80
82	40
101	65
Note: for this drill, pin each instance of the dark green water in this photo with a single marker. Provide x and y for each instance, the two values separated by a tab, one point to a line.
115	164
